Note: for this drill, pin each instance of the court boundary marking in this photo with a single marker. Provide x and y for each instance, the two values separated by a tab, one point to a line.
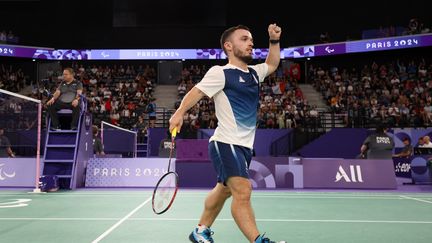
416	199
422	198
221	219
112	228
204	192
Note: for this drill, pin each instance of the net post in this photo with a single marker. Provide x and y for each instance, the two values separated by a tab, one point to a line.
135	145
38	168
102	132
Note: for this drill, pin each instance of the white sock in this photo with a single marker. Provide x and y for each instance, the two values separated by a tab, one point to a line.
201	228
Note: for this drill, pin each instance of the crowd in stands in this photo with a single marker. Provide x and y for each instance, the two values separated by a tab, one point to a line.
413	27
12	78
15	113
7	37
416	26
397	93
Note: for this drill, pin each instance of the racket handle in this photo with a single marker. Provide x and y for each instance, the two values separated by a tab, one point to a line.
174	132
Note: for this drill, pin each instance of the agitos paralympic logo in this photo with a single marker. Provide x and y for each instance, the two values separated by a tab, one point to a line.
14	203
4	175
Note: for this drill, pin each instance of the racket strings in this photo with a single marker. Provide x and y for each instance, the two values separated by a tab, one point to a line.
166	189
165	192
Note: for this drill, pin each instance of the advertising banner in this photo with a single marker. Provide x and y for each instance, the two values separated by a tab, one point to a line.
126	172
17	172
346	173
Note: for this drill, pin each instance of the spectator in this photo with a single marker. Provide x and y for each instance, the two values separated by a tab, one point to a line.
141	128
414	26
151	111
324	37
3	37
407	149
5	146
426	142
11	37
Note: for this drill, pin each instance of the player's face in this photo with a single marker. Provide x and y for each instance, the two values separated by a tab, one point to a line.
242	45
67	76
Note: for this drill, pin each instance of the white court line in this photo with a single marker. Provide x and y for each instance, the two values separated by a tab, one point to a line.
261	197
255	193
286	196
302	220
331	197
191	192
222	219
121	221
59	219
416	199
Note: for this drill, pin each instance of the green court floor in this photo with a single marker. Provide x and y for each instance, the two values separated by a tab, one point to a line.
126	216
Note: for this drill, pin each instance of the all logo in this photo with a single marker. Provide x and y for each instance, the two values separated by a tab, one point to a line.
355	174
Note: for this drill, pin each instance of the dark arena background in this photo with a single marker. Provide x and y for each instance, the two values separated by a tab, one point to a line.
345	71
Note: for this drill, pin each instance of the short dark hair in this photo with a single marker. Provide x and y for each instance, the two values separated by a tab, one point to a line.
380	128
70	70
95	130
228	32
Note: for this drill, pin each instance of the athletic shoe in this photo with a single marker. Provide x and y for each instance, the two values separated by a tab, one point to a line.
204	237
262	239
54	128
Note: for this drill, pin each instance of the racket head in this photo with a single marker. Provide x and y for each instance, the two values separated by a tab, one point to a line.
165	192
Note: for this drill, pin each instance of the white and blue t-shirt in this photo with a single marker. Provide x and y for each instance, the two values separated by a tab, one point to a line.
236	96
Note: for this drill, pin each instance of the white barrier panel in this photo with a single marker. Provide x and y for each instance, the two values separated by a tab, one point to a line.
17	172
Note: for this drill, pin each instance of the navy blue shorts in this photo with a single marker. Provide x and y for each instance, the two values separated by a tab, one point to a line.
229	160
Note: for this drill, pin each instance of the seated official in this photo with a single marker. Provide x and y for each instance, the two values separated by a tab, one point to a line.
67	96
407	150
